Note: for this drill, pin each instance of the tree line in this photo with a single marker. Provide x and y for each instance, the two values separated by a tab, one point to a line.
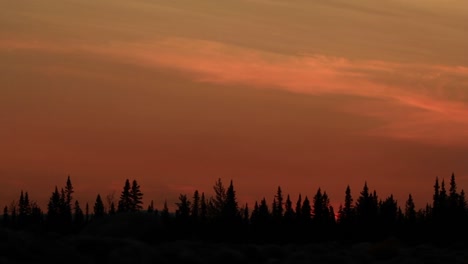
220	217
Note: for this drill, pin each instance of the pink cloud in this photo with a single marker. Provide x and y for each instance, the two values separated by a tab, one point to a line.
422	102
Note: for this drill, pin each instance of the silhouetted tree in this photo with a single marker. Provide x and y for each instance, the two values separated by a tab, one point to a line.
136	197
87	213
389	212
99	207
217	203
245	214
165	213
53	209
298	207
347	212
125	202
366	207
306	211
288	211
183	211
263	212
230	210
195	205
278	205
67	207
203	208
321	205
410	210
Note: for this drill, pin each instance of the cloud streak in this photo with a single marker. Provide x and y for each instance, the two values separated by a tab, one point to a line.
421	102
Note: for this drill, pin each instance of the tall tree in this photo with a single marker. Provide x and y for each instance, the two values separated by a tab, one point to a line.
183	211
288	210
278	209
410	210
53	208
298	207
136	197
231	208
203	208
347	211
195	205
306	210
99	207
69	192
218	202
165	213
125	202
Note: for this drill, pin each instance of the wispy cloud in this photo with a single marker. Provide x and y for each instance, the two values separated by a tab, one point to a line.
420	102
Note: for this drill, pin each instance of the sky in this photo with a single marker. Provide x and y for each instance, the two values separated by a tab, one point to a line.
304	94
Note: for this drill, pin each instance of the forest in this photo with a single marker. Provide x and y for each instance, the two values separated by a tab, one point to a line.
219	218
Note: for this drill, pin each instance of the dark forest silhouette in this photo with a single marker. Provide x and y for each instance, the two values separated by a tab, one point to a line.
220	218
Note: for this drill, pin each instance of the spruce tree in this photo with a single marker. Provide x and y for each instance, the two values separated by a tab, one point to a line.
99	207
125	202
347	211
245	214
136	197
298	207
410	210
183	208
231	209
165	213
306	211
288	210
263	216
53	208
203	208
278	210
195	205
218	203
68	197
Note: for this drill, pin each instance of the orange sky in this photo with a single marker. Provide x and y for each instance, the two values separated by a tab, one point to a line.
302	94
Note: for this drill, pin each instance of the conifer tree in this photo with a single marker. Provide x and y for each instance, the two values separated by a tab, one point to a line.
410	210
87	213
278	209
203	208
245	214
99	207
136	197
318	207
53	207
165	213
263	216
288	210
306	210
195	205
298	207
69	192
255	213
125	202
183	211
218	203
231	209
347	211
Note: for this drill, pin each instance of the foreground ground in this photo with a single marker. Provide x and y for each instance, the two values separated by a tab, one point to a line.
21	247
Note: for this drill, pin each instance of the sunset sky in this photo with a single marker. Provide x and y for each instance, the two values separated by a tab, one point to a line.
298	93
